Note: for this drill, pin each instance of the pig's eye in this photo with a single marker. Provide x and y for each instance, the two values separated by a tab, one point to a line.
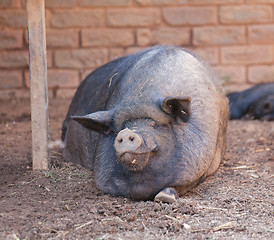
161	127
152	123
156	125
267	107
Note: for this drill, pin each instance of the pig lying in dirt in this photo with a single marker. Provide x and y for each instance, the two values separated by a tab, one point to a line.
254	103
152	123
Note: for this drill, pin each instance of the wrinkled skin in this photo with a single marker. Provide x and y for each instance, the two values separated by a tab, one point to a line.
254	103
146	122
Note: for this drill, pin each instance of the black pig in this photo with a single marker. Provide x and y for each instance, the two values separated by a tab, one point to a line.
254	103
148	121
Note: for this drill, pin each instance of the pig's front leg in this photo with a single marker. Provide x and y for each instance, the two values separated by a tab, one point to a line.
167	195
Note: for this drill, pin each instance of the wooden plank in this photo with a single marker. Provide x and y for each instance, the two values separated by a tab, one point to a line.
38	84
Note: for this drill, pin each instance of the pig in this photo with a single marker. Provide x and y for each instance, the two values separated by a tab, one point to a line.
254	103
148	124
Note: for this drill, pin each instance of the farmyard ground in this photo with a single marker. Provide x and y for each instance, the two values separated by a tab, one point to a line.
63	203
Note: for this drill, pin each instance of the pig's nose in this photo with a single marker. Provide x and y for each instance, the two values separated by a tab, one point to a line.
127	141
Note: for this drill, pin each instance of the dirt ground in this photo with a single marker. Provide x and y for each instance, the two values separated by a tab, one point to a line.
63	203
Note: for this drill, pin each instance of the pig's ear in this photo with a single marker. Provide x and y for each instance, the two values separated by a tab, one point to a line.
97	121
177	107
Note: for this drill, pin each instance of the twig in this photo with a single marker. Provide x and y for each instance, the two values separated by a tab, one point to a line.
63	234
174	219
23	183
213	208
111	219
268	230
262	150
244	167
227	225
83	225
144	225
200	230
45	201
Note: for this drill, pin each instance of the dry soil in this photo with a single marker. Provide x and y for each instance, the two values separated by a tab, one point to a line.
63	203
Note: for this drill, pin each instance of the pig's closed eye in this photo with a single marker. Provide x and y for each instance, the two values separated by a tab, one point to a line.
152	123
158	126
267	107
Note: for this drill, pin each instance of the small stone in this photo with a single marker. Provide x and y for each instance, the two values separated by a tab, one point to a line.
186	226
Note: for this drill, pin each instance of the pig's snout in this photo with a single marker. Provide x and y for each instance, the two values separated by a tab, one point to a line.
127	141
134	149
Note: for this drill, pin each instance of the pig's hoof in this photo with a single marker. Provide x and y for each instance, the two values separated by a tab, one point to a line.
167	195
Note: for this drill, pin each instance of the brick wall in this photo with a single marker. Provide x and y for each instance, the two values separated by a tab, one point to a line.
235	36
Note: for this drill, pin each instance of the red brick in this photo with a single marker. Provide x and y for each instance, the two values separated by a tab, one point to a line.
261	74
49	58
59	78
107	37
144	36
231	74
133	17
177	36
66	93
103	3
59	3
210	2
246	54
26	37
208	54
157	2
14	94
80	58
245	14
132	50
11	39
260	1
220	35
178	16
5	3
62	38
59	38
232	88
13	18
261	34
12	59
77	18
63	78
11	79
18	4
115	53
85	73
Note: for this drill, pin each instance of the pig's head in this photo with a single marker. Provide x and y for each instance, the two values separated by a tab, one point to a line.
141	138
262	109
134	147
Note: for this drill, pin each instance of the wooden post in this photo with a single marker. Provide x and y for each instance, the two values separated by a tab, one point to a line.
38	84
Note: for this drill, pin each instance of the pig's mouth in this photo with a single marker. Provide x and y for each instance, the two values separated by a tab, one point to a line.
136	161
